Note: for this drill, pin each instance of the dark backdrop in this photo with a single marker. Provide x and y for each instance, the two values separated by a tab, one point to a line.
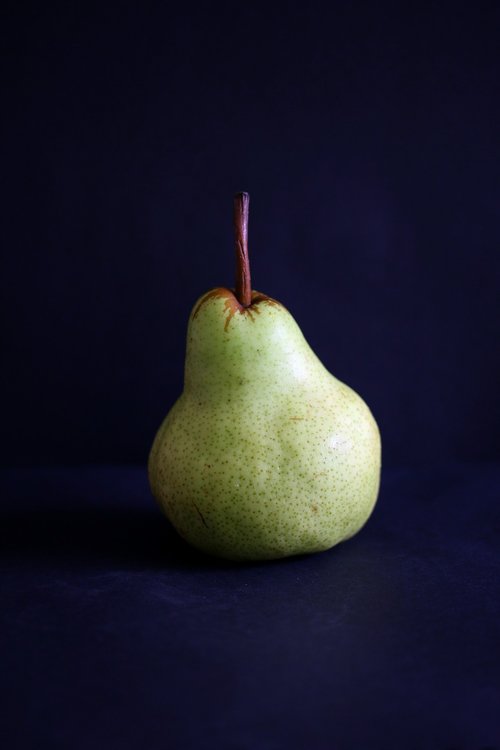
369	142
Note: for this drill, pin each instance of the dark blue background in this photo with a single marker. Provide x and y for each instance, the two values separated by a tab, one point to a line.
368	138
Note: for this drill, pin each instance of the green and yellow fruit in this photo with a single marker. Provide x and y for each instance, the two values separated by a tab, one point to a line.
265	454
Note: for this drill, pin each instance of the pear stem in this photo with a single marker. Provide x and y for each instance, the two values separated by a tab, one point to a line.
243	286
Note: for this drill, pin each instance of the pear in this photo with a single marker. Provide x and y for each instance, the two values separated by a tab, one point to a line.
265	454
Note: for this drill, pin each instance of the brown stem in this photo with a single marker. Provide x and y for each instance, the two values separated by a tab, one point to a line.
243	287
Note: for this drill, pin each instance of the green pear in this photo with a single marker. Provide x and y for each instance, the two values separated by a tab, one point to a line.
265	454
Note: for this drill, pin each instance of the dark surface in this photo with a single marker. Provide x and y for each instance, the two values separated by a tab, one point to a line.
116	635
367	136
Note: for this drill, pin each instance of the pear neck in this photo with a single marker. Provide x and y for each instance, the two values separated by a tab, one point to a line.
257	349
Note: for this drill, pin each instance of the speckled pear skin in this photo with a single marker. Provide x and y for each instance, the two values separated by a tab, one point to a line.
265	454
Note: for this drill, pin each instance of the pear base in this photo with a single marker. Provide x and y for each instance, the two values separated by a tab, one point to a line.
264	556
250	541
